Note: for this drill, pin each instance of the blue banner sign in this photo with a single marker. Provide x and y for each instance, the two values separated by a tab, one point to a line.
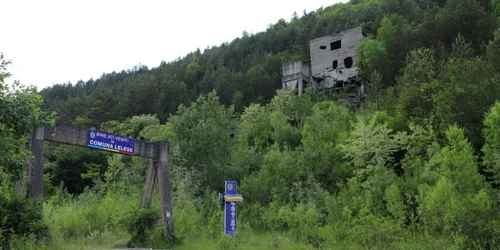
230	209
110	142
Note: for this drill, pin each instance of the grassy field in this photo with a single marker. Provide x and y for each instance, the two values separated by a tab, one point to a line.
224	242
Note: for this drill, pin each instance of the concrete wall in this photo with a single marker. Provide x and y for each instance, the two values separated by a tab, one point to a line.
322	55
292	68
294	75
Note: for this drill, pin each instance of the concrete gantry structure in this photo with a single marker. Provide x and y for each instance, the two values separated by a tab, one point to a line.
158	170
295	74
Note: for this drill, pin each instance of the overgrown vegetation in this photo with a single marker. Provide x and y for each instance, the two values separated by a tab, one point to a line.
19	112
416	167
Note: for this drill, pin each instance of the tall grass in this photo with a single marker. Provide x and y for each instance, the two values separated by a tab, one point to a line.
102	217
98	216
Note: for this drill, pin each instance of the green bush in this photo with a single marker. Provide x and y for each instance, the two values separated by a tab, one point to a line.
137	224
94	214
20	217
226	242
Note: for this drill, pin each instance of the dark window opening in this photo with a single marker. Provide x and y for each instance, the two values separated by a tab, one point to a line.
305	86
348	62
335	45
322	47
339	84
335	64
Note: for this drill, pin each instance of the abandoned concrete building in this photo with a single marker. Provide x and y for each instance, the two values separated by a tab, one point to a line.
332	65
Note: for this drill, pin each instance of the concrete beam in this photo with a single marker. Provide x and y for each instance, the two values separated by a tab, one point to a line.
78	136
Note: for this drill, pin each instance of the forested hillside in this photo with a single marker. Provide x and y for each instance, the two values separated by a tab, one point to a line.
417	166
248	69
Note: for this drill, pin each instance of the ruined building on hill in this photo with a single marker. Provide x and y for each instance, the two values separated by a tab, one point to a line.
332	66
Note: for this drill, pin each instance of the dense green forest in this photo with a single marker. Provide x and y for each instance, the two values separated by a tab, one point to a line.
417	166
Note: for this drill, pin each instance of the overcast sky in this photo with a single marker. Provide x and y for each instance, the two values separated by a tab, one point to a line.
59	41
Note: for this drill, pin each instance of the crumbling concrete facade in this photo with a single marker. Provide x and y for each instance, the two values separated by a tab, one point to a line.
332	66
336	52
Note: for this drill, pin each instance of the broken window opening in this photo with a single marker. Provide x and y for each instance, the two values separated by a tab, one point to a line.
339	84
322	47
348	62
335	64
335	45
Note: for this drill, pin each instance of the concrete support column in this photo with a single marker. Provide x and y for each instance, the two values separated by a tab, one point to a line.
36	173
150	183
301	85
165	197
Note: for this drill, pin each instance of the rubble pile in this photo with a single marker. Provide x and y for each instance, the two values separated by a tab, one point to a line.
346	80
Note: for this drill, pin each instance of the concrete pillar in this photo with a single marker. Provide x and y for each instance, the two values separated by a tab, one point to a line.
36	173
301	85
150	183
165	197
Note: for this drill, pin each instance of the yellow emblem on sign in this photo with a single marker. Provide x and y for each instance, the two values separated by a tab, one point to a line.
230	186
92	134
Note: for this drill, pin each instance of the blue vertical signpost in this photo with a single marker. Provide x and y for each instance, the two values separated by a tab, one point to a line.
231	197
